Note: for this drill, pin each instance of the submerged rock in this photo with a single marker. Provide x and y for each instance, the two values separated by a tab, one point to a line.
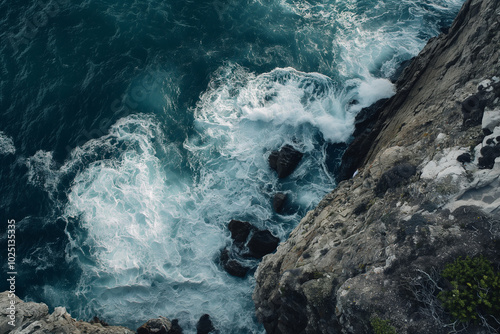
285	160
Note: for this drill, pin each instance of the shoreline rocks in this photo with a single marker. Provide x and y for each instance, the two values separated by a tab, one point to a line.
285	160
34	318
248	243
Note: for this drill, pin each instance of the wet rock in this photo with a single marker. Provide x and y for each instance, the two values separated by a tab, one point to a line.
364	135
240	231
205	325
285	160
176	329
279	201
465	157
394	177
262	243
232	266
159	325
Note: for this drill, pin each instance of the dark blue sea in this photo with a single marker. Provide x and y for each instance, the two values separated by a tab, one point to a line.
133	131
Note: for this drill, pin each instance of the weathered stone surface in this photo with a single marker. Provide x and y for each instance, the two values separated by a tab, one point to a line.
357	255
285	160
34	318
394	177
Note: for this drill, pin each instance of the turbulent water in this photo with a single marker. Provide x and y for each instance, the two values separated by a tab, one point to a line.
132	132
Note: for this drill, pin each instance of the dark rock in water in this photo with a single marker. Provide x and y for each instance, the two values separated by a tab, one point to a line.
466	157
262	243
160	325
273	160
232	266
394	177
364	135
472	110
285	160
204	325
489	154
240	230
176	329
279	200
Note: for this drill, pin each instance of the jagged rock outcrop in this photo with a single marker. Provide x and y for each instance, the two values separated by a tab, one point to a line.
359	255
34	318
285	160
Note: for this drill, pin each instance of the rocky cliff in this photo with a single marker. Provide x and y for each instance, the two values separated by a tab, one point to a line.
34	318
426	191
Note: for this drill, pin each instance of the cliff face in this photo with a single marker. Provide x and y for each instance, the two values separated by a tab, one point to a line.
375	246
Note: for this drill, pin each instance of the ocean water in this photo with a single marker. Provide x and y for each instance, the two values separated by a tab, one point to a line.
132	132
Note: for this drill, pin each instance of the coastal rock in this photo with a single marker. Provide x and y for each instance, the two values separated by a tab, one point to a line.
232	266
279	201
364	134
394	178
159	325
34	318
205	325
240	231
285	160
358	256
472	110
262	243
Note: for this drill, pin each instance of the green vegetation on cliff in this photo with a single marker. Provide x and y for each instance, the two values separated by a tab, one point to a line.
474	292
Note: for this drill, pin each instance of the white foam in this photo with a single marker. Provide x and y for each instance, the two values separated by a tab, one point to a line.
6	144
283	97
145	237
372	90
